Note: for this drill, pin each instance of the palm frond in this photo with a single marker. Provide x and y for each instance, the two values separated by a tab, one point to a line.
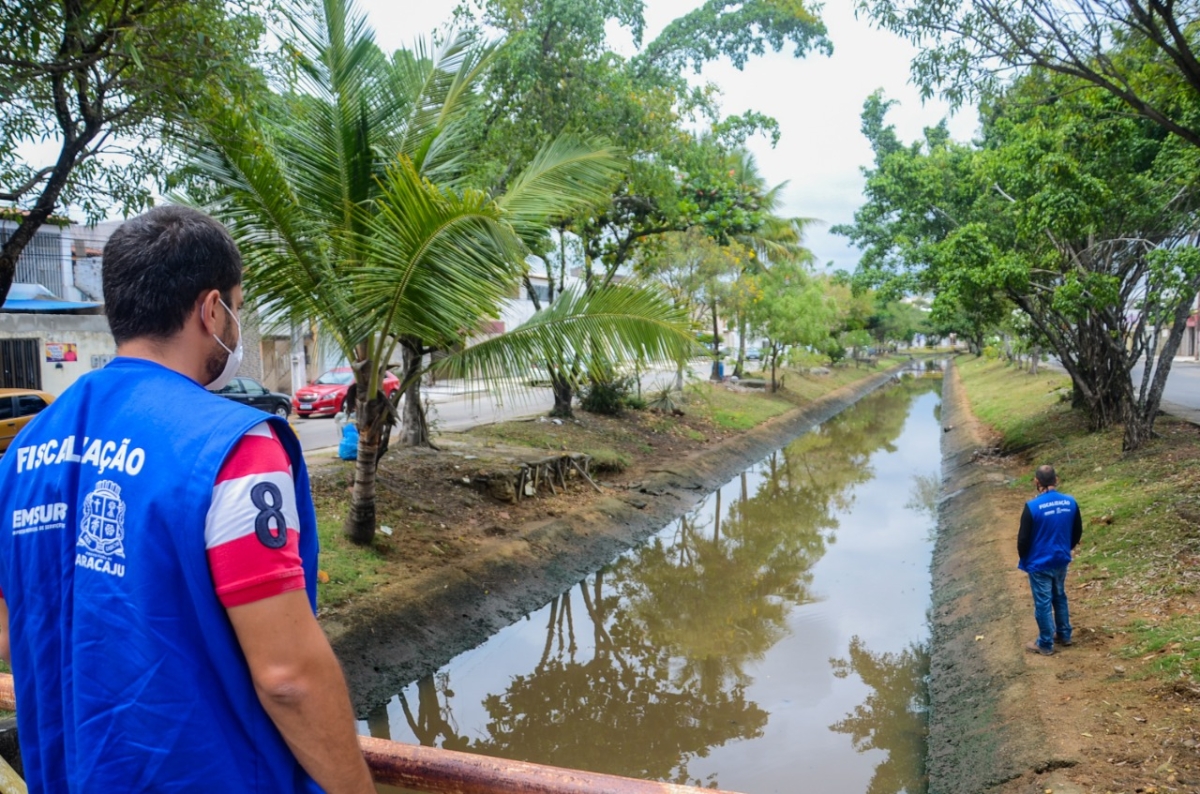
439	261
567	175
594	328
437	90
285	249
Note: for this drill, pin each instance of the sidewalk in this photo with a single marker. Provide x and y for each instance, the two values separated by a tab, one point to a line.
1183	412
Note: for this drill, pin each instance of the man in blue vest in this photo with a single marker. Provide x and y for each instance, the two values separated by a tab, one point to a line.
1051	528
158	555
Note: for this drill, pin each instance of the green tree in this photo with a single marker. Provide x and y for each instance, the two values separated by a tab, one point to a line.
1074	212
899	321
774	240
557	73
791	309
1141	52
110	83
349	207
919	196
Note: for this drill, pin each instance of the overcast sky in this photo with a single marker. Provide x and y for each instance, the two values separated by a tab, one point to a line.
817	101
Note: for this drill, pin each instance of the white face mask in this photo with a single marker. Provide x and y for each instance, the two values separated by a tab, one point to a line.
234	362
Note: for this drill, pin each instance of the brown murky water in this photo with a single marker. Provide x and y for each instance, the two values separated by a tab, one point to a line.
772	640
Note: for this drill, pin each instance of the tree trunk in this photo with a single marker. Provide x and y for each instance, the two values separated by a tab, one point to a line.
1034	358
741	358
414	427
1142	411
563	394
360	517
716	346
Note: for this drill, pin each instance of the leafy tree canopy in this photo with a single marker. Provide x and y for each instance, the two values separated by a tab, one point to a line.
1072	210
109	82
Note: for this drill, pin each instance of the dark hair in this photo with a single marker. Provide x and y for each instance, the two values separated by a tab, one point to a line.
1046	476
157	264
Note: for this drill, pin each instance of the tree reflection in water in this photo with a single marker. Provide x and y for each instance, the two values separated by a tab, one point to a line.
894	716
925	491
644	664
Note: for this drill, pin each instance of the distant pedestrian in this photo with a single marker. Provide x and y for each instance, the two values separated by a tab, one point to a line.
1051	527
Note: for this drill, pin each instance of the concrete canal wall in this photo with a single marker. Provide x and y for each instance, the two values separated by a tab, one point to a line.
985	733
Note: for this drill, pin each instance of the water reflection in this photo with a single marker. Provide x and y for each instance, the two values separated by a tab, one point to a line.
893	718
665	657
925	491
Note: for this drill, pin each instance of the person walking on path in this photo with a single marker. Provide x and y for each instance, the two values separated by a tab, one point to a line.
1051	528
158	555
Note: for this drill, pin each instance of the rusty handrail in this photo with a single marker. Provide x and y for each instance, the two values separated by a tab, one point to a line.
437	771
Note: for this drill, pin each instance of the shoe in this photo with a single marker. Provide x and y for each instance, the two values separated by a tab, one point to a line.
1033	647
1064	643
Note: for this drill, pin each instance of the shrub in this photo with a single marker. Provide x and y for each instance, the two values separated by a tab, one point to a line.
664	401
608	398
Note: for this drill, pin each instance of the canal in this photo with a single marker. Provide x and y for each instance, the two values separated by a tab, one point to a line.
773	639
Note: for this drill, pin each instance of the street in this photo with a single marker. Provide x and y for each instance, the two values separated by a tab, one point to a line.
455	408
447	412
1181	395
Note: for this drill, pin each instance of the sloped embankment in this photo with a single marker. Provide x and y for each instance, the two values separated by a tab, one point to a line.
985	728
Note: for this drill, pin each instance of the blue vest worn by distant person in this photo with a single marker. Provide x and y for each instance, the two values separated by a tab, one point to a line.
1053	516
128	674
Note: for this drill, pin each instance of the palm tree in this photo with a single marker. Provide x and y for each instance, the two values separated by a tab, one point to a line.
347	202
777	239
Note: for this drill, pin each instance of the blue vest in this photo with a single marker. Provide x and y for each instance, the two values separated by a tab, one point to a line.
128	674
1053	519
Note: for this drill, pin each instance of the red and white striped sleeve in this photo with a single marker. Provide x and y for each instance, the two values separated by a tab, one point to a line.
252	530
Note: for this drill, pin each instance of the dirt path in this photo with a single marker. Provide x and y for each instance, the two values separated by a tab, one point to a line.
410	627
1003	720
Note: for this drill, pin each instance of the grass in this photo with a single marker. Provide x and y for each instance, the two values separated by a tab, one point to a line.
804	386
1141	541
611	451
1172	647
352	570
730	410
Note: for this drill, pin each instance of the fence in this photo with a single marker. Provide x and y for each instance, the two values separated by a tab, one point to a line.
20	364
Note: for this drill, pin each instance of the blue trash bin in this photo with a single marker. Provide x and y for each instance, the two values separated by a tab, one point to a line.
720	370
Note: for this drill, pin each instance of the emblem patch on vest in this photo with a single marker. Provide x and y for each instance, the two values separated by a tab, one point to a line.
102	530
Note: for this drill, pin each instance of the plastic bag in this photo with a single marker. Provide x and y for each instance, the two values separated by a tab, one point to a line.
348	448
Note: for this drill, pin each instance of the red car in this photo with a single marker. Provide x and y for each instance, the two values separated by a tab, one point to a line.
327	394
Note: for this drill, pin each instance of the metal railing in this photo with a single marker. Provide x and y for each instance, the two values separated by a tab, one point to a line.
437	771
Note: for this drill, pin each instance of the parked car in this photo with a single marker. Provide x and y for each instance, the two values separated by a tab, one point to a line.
17	407
753	354
251	392
327	394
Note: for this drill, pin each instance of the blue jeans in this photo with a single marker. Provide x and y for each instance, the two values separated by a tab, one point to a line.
1049	593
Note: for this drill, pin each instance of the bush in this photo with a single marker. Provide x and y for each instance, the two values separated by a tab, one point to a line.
664	401
635	403
608	398
834	351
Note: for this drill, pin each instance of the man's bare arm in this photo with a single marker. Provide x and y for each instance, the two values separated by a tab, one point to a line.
5	645
301	686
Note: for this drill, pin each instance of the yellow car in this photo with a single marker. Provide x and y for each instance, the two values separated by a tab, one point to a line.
17	407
